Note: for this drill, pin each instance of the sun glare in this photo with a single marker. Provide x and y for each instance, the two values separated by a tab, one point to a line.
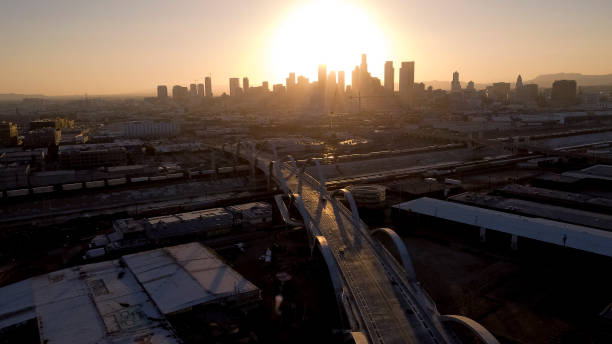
325	32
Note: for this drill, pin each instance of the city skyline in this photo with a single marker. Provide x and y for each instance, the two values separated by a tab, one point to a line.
114	48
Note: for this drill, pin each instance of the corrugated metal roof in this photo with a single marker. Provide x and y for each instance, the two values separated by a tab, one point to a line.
183	276
92	303
559	233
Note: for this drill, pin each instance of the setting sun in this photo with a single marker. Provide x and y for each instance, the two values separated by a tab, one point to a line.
331	33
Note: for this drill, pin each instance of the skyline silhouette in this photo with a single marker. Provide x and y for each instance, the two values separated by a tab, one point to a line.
111	48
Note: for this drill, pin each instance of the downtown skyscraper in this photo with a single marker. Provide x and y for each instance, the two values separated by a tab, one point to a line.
406	82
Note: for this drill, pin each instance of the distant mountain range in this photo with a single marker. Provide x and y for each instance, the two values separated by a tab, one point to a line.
547	80
17	97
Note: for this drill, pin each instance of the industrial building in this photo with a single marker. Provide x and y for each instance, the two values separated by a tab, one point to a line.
8	134
151	129
132	233
121	301
252	215
570	210
42	137
92	155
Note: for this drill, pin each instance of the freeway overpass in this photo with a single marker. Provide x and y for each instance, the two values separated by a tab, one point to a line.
382	299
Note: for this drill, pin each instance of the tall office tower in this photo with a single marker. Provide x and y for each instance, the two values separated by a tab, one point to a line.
290	82
406	82
331	80
193	90
208	87
355	75
234	86
200	90
519	82
179	92
245	85
322	77
162	92
455	84
364	76
302	82
265	86
563	92
389	76
364	64
341	81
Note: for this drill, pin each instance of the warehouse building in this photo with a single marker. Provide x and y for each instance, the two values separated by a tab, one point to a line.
121	301
92	155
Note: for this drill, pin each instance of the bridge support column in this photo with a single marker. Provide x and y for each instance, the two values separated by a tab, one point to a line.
514	242
483	234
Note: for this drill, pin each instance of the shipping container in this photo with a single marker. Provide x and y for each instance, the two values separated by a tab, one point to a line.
242	168
73	186
94	184
42	189
226	169
139	179
158	178
18	192
175	175
116	181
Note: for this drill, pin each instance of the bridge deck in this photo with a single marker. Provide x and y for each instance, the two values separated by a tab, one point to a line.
386	307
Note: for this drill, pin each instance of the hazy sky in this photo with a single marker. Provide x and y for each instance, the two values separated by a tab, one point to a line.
60	47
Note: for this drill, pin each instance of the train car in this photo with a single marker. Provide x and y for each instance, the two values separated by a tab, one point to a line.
157	178
223	170
42	189
139	179
94	184
175	175
194	173
72	186
116	181
18	192
207	172
242	168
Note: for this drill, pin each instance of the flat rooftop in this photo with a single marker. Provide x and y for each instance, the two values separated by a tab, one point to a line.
125	300
536	209
180	277
95	303
553	232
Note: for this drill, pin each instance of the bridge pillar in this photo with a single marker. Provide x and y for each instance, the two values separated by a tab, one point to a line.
514	242
483	234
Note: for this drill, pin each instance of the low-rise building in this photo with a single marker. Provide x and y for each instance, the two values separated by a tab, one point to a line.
252	215
92	155
43	137
151	129
8	134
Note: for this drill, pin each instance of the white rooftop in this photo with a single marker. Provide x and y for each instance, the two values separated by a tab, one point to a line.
554	232
183	276
95	303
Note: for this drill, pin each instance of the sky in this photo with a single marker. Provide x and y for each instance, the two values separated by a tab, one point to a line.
61	47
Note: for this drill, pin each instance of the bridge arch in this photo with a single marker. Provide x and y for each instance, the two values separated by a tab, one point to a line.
351	201
480	331
400	247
